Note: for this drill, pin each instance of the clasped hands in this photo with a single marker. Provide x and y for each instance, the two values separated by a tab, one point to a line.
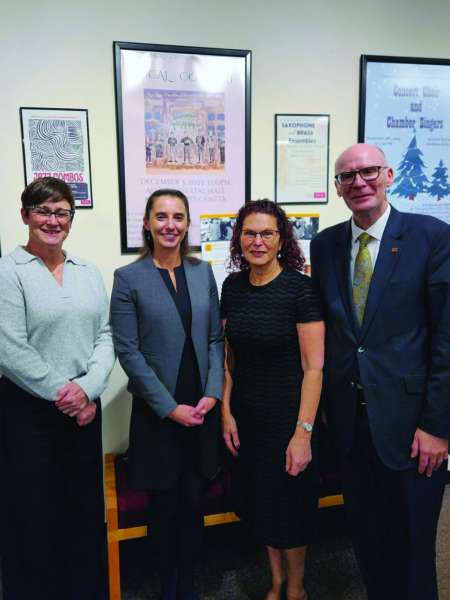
190	416
73	402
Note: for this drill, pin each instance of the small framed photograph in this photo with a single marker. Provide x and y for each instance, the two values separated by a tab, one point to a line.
56	144
404	109
183	122
302	145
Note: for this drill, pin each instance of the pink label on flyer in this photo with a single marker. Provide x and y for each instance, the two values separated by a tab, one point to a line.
319	194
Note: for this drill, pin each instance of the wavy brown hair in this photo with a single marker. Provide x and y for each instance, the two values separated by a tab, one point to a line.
290	255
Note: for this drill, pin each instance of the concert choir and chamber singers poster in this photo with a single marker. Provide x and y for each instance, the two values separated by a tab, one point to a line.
405	110
182	123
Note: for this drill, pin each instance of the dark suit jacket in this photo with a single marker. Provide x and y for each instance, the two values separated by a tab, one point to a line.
401	353
149	339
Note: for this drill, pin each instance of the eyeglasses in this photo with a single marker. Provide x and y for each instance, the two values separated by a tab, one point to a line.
268	235
62	215
366	173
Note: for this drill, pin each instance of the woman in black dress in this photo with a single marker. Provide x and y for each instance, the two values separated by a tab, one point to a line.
168	337
275	344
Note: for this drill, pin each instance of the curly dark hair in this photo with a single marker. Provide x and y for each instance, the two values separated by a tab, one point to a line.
290	255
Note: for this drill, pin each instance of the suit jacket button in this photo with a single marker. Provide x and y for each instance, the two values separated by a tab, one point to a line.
361	349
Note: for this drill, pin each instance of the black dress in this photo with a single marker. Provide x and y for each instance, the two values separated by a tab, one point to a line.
267	375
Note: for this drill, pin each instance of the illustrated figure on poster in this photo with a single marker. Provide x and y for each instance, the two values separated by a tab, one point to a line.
411	179
204	230
200	143
439	187
221	141
148	151
229	230
223	229
187	143
172	146
211	147
299	228
312	228
214	229
159	148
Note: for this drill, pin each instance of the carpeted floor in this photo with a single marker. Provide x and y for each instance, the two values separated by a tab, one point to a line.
233	570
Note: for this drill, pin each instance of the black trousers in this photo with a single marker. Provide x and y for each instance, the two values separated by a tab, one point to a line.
175	531
54	525
393	518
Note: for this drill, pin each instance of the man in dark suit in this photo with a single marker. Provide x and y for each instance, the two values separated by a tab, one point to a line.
384	277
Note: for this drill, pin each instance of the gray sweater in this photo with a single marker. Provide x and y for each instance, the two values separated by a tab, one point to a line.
52	334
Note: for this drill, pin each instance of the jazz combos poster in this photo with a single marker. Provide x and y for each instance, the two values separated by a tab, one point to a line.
183	122
56	144
405	110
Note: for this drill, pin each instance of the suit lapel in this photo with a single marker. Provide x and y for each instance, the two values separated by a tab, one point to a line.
342	265
158	284
388	256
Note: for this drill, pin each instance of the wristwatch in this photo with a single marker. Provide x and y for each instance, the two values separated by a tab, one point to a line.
305	425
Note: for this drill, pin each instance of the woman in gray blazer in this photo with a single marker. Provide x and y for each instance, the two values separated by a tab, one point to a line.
168	337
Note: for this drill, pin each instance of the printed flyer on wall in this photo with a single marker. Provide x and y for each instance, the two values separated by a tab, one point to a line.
407	114
182	124
301	159
56	144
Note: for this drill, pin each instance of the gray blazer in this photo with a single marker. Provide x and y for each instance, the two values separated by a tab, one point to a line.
149	336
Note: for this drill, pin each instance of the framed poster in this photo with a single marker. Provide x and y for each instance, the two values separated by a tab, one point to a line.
56	143
183	122
405	110
302	145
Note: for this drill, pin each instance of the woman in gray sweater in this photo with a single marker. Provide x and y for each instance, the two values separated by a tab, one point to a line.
56	354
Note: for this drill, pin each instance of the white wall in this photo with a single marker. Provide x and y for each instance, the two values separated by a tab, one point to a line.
305	59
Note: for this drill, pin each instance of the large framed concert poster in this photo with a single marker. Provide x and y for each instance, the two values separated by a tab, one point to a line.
405	110
183	122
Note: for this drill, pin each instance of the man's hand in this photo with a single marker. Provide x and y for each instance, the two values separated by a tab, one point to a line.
186	415
71	399
431	450
204	405
87	414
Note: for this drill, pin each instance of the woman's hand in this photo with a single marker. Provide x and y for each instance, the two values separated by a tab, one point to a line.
71	399
87	414
186	415
204	405
230	433
298	453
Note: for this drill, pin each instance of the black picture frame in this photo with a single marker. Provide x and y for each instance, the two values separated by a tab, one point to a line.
404	109
125	113
55	138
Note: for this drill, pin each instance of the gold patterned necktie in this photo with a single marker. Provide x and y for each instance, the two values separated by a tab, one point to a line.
362	275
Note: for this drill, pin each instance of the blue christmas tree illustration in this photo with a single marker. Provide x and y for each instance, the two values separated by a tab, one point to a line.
439	187
411	179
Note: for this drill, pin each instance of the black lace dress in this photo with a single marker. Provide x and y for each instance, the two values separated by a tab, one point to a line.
267	375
